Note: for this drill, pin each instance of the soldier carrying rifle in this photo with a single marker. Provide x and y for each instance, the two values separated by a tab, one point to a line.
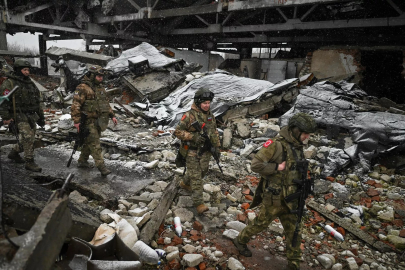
91	99
283	186
24	111
193	142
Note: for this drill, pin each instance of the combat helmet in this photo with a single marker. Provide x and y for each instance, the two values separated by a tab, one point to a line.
203	94
304	122
22	63
97	70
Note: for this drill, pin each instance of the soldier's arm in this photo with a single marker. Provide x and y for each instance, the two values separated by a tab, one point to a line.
78	100
182	130
264	161
6	106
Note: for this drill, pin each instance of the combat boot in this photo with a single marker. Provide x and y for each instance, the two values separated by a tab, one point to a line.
32	166
103	170
184	186
84	164
293	265
14	155
242	248
202	208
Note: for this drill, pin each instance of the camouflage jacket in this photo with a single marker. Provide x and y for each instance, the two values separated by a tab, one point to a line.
265	162
185	132
27	99
87	91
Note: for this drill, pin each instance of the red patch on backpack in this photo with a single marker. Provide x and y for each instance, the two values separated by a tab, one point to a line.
184	117
6	92
266	144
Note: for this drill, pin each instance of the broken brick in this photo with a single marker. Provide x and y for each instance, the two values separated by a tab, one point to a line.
241	217
249	197
194	232
202	266
174	264
328	196
177	240
245	206
246	191
402	233
191	268
197	226
376	198
398	222
372	192
341	231
330	178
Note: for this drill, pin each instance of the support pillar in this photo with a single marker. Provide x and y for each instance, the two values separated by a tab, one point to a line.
3	36
43	58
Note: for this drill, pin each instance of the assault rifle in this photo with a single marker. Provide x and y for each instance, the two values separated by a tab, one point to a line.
80	137
305	185
207	144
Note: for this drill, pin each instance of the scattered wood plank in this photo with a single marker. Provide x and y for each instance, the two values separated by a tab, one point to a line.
160	212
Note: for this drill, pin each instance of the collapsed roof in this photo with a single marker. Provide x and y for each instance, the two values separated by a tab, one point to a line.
229	90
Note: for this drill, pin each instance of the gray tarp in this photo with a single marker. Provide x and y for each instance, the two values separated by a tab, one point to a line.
333	104
155	58
229	90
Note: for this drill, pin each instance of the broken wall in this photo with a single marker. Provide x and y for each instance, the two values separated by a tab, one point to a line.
336	63
199	57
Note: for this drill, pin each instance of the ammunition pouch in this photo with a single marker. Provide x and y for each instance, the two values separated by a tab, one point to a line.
102	121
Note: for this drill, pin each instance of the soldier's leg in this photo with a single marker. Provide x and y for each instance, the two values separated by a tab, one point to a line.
266	215
205	163
289	221
27	138
85	153
193	176
95	149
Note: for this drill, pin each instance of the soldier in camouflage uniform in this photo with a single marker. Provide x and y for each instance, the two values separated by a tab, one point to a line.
275	162
192	141
27	112
91	98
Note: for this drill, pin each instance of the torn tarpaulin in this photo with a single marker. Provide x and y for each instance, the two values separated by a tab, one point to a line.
344	105
229	90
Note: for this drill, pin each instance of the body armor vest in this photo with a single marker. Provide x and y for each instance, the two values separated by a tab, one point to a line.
99	105
283	180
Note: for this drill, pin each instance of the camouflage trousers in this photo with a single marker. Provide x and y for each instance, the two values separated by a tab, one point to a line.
271	209
26	136
197	168
91	146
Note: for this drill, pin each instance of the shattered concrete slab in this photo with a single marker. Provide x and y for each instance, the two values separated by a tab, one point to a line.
69	54
154	86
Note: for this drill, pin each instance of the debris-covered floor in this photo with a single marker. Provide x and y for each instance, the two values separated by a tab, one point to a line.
356	161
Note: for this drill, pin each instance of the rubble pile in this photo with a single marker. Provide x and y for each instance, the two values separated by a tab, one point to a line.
370	202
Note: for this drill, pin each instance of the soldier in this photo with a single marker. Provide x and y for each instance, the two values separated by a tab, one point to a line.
275	162
91	98
192	141
24	108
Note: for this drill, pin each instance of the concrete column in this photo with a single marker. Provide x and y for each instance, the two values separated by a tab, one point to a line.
43	59
3	36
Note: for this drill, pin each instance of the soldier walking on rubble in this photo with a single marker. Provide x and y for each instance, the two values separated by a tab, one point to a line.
24	110
91	98
192	141
276	163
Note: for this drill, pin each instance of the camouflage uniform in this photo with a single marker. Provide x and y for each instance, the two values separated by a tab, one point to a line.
91	98
28	113
197	166
274	186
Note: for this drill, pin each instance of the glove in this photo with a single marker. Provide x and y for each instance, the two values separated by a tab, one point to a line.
198	139
41	122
